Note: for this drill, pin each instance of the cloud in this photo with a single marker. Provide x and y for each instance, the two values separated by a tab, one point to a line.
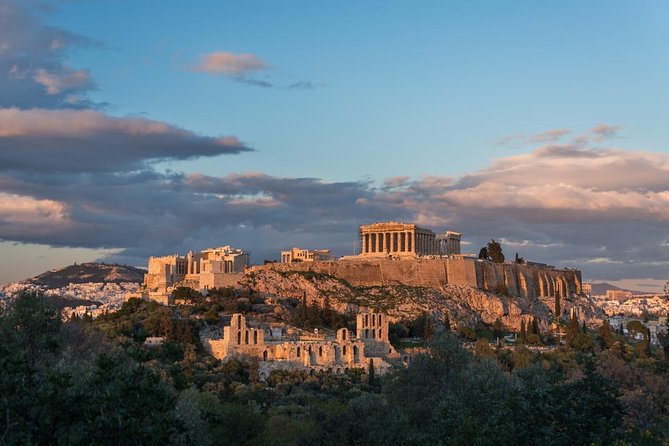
70	80
305	85
254	82
602	210
510	139
91	141
222	62
33	72
550	136
242	68
605	131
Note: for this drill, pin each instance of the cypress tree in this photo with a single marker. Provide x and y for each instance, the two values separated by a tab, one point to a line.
572	331
535	326
447	322
523	330
585	329
370	372
428	328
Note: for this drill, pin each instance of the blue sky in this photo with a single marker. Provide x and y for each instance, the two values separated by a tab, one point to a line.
409	88
447	94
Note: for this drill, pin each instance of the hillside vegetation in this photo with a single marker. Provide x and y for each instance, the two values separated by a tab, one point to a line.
95	382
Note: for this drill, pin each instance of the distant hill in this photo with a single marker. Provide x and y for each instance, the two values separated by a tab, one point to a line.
88	272
602	288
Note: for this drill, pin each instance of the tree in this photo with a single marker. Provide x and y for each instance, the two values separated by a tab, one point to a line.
302	313
428	327
498	328
572	331
495	251
520	260
642	347
370	373
535	326
605	337
584	327
576	338
523	331
447	322
483	253
663	338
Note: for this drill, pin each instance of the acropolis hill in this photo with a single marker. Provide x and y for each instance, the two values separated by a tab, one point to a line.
393	255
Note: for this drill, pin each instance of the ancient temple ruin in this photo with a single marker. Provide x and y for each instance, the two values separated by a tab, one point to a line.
406	240
285	347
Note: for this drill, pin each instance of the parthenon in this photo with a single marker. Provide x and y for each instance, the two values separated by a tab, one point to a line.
406	239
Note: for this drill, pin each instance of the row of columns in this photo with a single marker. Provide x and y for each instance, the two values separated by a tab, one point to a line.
193	265
399	242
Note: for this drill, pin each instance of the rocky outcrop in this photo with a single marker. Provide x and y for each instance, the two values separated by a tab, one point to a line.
527	281
465	305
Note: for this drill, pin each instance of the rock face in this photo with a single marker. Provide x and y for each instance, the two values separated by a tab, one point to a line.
526	281
465	305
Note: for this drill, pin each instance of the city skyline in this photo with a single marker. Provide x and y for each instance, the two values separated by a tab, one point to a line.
131	129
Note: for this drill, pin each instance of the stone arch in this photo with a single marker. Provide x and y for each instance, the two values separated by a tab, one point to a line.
320	350
379	320
343	350
366	320
373	320
299	350
366	333
356	354
239	320
246	337
344	333
255	336
264	355
373	333
239	337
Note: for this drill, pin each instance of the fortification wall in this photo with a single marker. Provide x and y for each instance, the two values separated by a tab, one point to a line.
527	281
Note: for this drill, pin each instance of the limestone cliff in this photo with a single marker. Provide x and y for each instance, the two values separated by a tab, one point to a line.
526	281
466	305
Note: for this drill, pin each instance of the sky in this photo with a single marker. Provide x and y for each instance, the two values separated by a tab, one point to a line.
130	129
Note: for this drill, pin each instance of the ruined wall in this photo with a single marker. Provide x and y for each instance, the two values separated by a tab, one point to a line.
527	281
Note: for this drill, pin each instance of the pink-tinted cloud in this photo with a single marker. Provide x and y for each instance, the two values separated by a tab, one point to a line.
222	62
26	210
70	80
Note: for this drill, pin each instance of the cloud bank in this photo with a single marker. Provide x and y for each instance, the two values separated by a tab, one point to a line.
602	210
